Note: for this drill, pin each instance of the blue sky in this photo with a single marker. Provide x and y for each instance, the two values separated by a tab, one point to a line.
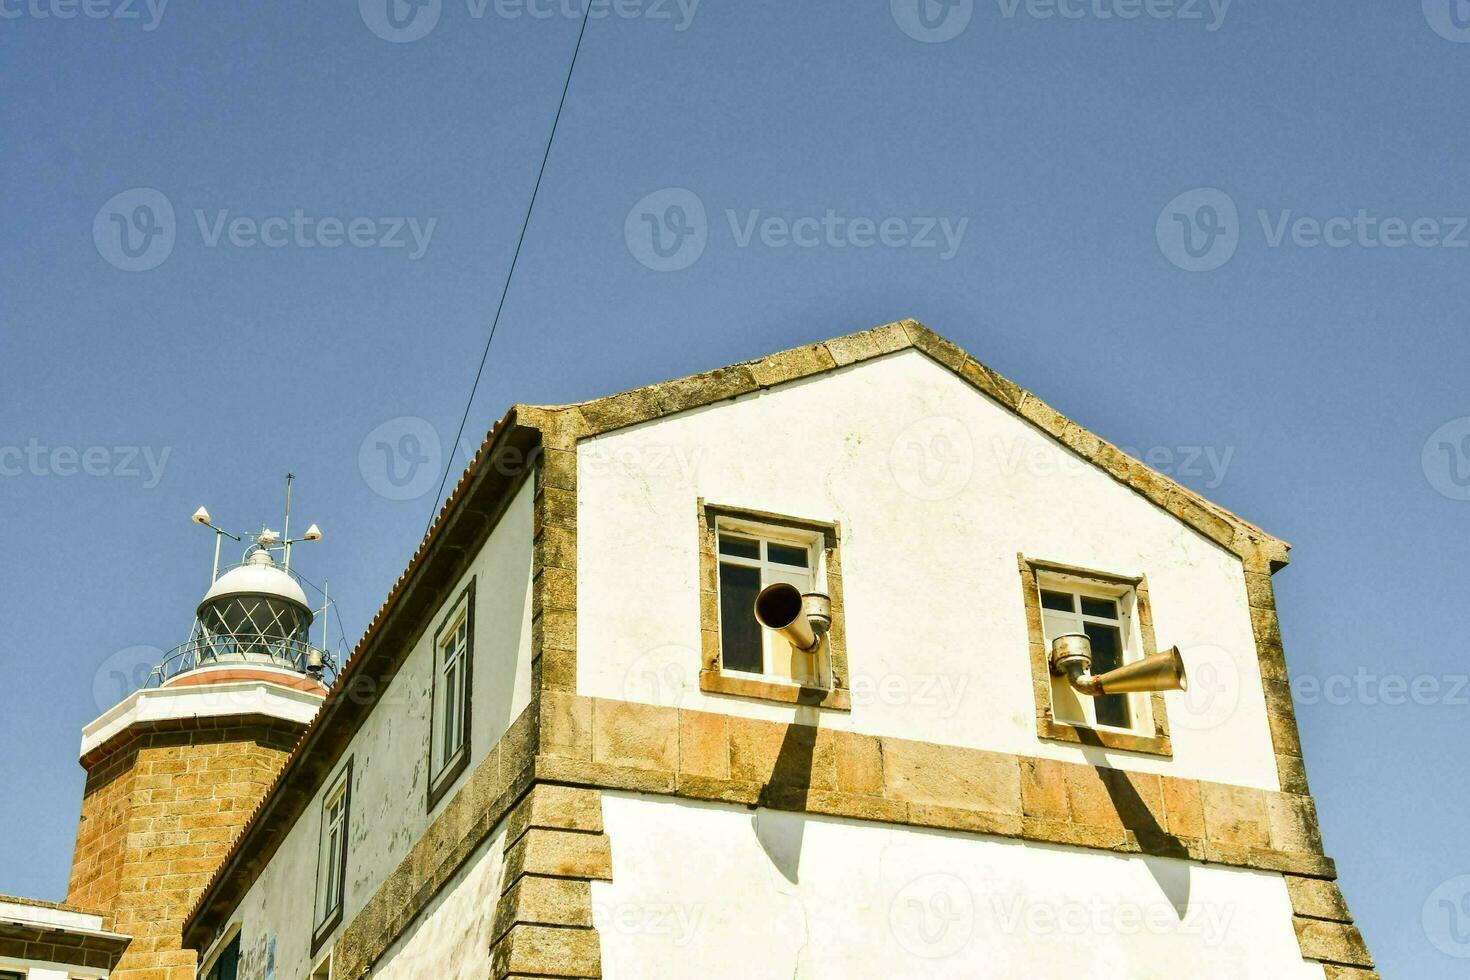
345	207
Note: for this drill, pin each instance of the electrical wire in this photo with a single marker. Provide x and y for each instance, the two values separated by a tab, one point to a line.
505	289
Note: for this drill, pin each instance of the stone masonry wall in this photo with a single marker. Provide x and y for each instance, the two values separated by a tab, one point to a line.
158	815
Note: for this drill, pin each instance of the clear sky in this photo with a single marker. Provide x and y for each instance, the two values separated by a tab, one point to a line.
1043	171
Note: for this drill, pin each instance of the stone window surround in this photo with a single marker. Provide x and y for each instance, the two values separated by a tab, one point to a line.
1047	726
441	782
712	679
324	930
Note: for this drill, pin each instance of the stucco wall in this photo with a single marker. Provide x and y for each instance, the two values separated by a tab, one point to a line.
390	757
722	891
937	489
452	938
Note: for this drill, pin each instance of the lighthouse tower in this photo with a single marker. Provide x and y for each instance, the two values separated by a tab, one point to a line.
175	769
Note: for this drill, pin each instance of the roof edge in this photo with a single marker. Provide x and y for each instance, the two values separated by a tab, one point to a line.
1251	543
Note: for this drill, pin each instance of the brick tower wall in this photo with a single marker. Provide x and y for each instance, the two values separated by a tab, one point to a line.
159	812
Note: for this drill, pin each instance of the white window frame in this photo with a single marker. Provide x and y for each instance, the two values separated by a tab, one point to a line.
1068	706
452	695
772	645
331	877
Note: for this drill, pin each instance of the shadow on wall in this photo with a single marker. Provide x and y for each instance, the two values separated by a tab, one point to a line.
788	788
1172	879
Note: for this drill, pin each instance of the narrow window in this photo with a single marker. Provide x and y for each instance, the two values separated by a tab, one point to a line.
752	558
332	858
453	661
225	967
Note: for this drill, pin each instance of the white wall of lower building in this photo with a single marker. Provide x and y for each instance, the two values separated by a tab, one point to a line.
390	757
712	890
452	938
937	489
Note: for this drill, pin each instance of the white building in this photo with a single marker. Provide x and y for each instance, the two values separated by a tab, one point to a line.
565	748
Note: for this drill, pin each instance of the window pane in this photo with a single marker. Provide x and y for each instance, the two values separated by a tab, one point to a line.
225	968
1107	608
1057	600
787	555
739	547
740	634
1107	653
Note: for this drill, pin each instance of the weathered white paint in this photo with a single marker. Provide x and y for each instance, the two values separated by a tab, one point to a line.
722	891
452	938
202	701
390	756
46	970
937	489
51	918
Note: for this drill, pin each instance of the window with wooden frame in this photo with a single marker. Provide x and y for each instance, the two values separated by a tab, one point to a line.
331	874
449	733
741	552
226	965
1114	613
